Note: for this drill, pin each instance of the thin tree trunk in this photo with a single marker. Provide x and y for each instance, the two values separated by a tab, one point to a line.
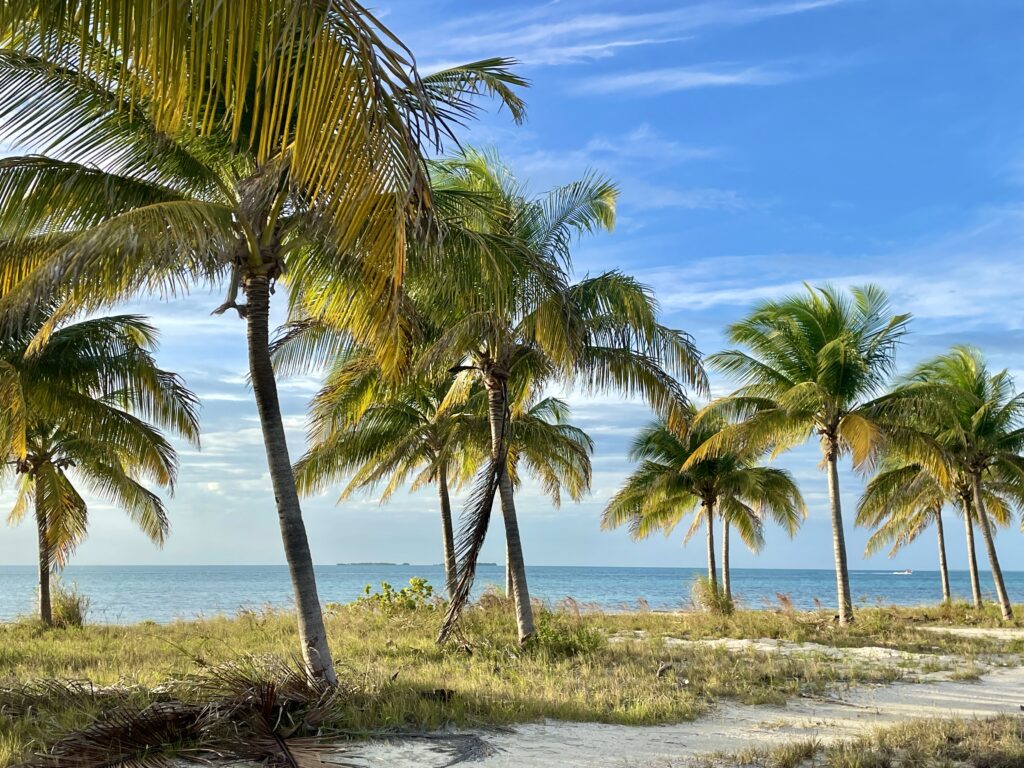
510	588
844	600
709	510
45	611
312	633
726	576
447	531
972	556
513	544
990	548
943	568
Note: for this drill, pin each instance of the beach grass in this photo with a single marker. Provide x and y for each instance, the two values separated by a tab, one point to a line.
583	665
979	743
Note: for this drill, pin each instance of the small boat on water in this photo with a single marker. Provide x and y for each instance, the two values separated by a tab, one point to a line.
907	572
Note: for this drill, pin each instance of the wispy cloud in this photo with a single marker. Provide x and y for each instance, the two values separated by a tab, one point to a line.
655	81
544	35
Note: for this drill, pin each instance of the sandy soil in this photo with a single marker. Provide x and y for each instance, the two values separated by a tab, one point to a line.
730	727
996	633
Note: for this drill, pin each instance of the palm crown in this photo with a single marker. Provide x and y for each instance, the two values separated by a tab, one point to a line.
667	487
813	364
87	406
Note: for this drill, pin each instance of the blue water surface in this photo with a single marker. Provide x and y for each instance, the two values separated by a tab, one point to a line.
128	594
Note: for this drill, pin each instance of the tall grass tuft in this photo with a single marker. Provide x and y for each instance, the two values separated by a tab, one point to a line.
69	606
707	596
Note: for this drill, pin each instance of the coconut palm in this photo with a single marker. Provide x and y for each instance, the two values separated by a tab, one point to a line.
523	326
667	487
811	365
904	500
977	422
83	411
158	212
369	430
324	83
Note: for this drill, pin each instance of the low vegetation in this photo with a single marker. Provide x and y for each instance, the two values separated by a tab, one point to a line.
582	665
992	743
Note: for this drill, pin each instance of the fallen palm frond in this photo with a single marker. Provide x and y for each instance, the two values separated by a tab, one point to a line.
257	709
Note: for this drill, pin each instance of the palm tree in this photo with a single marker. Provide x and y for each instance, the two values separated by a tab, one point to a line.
904	499
812	363
368	429
668	486
80	409
158	212
977	421
514	329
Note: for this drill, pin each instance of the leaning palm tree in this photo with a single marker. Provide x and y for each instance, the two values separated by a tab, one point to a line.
153	209
977	423
525	325
811	366
84	410
668	486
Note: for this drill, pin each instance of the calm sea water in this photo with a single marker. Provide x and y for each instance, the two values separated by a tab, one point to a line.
127	594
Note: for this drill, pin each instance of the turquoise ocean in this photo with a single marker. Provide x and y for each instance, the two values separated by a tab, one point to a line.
129	594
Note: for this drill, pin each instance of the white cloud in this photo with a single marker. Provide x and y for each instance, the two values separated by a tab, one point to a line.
666	80
544	35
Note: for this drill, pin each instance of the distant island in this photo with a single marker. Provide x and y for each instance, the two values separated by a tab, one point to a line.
408	565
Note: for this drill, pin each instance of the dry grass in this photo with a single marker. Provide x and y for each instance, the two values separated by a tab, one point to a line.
989	743
395	677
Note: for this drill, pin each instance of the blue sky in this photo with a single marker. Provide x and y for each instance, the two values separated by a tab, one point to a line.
757	145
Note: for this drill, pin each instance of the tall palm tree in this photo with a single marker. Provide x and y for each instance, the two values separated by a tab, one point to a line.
977	421
84	409
668	486
525	325
811	365
157	212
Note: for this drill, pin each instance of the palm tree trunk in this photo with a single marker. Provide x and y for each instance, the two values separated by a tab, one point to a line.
447	531
990	548
515	561
726	576
45	611
972	556
839	541
509	586
943	568
312	633
709	510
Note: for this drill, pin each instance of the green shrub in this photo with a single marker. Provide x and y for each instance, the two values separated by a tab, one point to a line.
419	595
69	606
708	596
564	635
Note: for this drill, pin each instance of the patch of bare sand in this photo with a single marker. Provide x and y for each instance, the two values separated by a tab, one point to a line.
730	727
995	633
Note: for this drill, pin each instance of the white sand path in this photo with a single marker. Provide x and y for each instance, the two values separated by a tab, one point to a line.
729	727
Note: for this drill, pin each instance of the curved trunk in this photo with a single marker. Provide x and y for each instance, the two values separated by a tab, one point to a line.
972	557
45	611
312	633
990	549
943	568
709	510
509	587
844	600
447	531
515	562
726	576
